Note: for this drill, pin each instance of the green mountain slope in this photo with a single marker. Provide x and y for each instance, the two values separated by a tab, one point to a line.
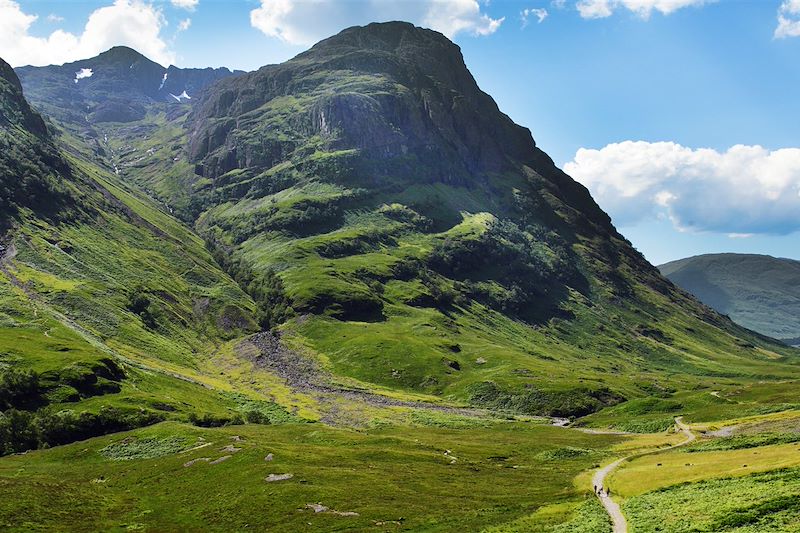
106	303
759	292
357	237
425	243
404	234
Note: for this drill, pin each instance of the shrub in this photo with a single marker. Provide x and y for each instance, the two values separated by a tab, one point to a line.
273	306
575	402
22	430
139	304
214	421
19	389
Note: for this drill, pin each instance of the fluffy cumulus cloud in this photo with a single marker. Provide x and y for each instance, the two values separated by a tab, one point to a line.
185	4
527	14
593	9
303	22
743	191
125	22
788	19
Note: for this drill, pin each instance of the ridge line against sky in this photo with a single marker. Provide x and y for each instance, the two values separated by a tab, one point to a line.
677	114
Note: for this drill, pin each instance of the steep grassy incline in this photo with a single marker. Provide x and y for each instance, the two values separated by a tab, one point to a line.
108	306
402	231
757	291
424	242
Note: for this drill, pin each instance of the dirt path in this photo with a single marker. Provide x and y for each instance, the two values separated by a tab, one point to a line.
619	524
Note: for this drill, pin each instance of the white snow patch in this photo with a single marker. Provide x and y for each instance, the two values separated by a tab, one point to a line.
181	97
83	73
163	81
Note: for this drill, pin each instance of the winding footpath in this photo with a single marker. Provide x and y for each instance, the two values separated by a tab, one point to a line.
598	480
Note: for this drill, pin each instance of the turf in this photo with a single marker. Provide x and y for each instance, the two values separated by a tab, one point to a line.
422	479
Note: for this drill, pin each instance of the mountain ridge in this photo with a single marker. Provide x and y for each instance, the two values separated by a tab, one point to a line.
757	291
394	225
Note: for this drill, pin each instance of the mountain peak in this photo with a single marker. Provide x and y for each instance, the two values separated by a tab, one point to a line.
386	36
124	55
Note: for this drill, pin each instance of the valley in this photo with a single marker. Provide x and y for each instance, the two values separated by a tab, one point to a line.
347	292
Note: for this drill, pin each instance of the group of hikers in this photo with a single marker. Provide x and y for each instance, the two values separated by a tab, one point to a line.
602	492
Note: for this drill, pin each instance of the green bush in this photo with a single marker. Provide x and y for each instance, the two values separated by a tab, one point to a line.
214	421
266	288
569	403
19	389
22	430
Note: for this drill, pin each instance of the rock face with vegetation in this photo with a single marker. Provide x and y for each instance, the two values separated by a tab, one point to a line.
387	219
759	292
95	284
32	172
357	237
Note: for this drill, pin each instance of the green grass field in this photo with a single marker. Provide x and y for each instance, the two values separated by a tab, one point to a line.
395	478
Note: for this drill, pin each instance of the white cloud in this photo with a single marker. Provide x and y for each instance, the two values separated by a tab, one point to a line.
788	19
185	4
539	13
184	24
593	9
742	191
52	17
304	22
125	22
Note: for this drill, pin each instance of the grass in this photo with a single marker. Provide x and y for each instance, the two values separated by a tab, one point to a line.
656	471
476	484
756	503
129	449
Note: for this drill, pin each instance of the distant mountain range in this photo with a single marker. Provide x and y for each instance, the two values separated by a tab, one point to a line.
115	86
759	292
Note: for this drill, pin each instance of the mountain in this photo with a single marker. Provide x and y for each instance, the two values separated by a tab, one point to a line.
31	169
116	86
347	272
759	292
393	226
102	295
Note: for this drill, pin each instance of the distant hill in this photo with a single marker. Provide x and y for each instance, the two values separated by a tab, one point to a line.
757	291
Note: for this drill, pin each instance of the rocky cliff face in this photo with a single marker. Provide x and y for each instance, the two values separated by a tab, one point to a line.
407	91
399	95
385	214
31	169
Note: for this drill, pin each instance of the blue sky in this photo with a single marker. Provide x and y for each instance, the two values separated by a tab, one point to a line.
645	108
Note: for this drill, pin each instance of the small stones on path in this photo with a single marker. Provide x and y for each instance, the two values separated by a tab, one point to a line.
218	461
193	461
278	477
230	449
269	457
